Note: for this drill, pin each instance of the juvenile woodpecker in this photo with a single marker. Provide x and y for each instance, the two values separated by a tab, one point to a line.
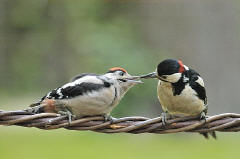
88	94
181	90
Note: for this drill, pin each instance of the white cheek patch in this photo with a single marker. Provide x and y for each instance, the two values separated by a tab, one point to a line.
200	81
174	77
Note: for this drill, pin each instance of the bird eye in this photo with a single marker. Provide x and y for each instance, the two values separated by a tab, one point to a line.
121	73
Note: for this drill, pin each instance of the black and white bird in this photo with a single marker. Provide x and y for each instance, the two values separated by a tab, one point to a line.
181	90
88	94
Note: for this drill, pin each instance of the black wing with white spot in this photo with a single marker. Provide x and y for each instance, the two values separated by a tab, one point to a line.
78	87
76	90
193	78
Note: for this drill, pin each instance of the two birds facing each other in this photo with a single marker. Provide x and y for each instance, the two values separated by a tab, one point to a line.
181	92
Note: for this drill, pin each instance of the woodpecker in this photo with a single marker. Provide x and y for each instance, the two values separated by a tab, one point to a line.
181	91
88	94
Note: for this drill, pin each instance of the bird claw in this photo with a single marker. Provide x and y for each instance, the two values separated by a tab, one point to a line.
203	116
69	115
164	118
64	110
109	118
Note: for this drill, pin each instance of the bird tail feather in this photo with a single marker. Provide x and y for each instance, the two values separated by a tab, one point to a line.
213	134
36	108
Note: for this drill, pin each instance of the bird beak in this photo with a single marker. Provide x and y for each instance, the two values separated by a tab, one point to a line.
150	75
133	79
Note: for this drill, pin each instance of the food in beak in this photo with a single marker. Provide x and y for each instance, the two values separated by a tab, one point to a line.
150	75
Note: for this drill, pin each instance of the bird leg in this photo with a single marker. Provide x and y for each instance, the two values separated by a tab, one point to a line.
203	115
108	117
64	110
67	113
164	116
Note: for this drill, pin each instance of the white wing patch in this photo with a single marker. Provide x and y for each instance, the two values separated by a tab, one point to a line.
200	81
186	68
185	79
88	79
59	92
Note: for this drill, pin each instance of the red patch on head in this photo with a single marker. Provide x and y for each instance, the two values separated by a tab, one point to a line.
117	69
181	69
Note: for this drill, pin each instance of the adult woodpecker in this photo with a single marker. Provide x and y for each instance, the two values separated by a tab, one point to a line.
88	94
181	91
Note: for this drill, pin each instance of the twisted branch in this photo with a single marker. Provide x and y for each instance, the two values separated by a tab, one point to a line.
228	122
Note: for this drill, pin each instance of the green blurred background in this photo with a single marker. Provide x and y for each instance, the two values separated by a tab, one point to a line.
43	43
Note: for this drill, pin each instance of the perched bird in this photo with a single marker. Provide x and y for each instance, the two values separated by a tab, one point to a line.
88	94
181	90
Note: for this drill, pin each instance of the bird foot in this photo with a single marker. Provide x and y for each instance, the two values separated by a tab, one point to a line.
109	118
164	117
69	115
203	116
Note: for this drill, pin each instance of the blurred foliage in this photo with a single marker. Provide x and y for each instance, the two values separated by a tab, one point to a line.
43	43
48	42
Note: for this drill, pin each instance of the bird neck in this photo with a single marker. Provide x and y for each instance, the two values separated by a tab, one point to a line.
164	84
123	89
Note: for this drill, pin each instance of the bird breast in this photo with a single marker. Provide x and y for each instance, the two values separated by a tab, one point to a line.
185	104
93	103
